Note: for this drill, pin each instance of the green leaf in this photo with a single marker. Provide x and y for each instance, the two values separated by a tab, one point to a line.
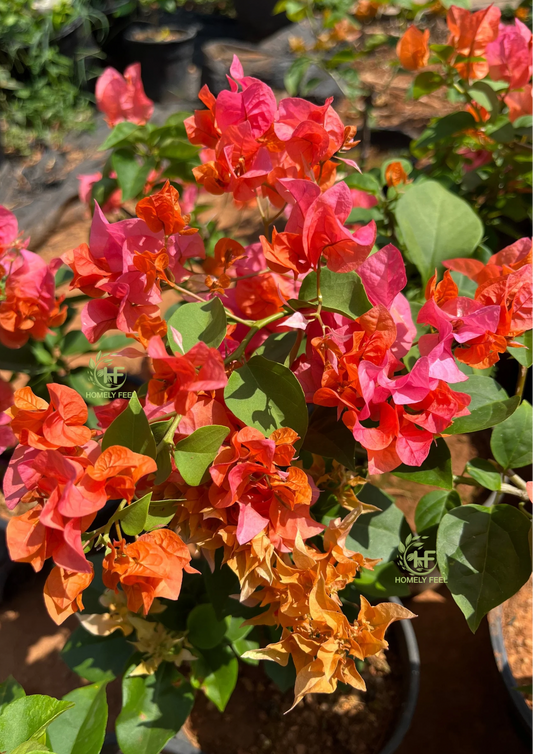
216	674
267	396
501	130
10	690
489	405
425	83
484	472
436	225
443	128
131	175
524	356
278	346
194	454
377	535
342	292
164	464
133	517
205	629
198	322
436	469
75	342
511	441
380	583
120	135
31	747
483	553
96	658
327	436
132	430
235	629
364	182
28	717
81	729
160	513
485	96
294	76
179	150
430	511
154	708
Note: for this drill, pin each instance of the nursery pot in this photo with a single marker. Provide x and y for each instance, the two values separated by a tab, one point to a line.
163	63
257	19
403	641
521	709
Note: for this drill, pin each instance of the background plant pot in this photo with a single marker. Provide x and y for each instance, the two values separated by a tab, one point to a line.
120	14
523	712
163	64
256	19
403	638
217	58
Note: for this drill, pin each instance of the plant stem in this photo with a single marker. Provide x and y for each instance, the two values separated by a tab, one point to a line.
506	489
169	434
229	313
236	355
515	479
521	382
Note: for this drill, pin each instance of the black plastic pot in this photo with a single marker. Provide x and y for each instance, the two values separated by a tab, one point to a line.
520	708
257	19
404	639
163	64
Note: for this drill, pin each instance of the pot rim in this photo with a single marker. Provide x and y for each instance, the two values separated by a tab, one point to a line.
190	33
502	663
181	745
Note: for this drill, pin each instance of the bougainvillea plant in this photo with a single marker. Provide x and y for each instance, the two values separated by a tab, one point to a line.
230	509
485	147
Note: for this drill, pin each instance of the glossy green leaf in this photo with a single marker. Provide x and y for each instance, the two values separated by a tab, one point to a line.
489	405
160	513
342	292
364	182
433	507
383	581
131	174
524	356
194	454
205	629
235	629
425	83
120	135
278	346
81	729
436	225
266	395
216	674
483	553
443	128
132	430
436	469
295	75
164	463
10	690
205	322
376	535
133	517
484	472
154	708
75	342
97	658
328	437
28	717
511	441
31	747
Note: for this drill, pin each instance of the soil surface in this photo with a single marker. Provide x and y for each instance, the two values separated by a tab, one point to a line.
516	625
347	721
